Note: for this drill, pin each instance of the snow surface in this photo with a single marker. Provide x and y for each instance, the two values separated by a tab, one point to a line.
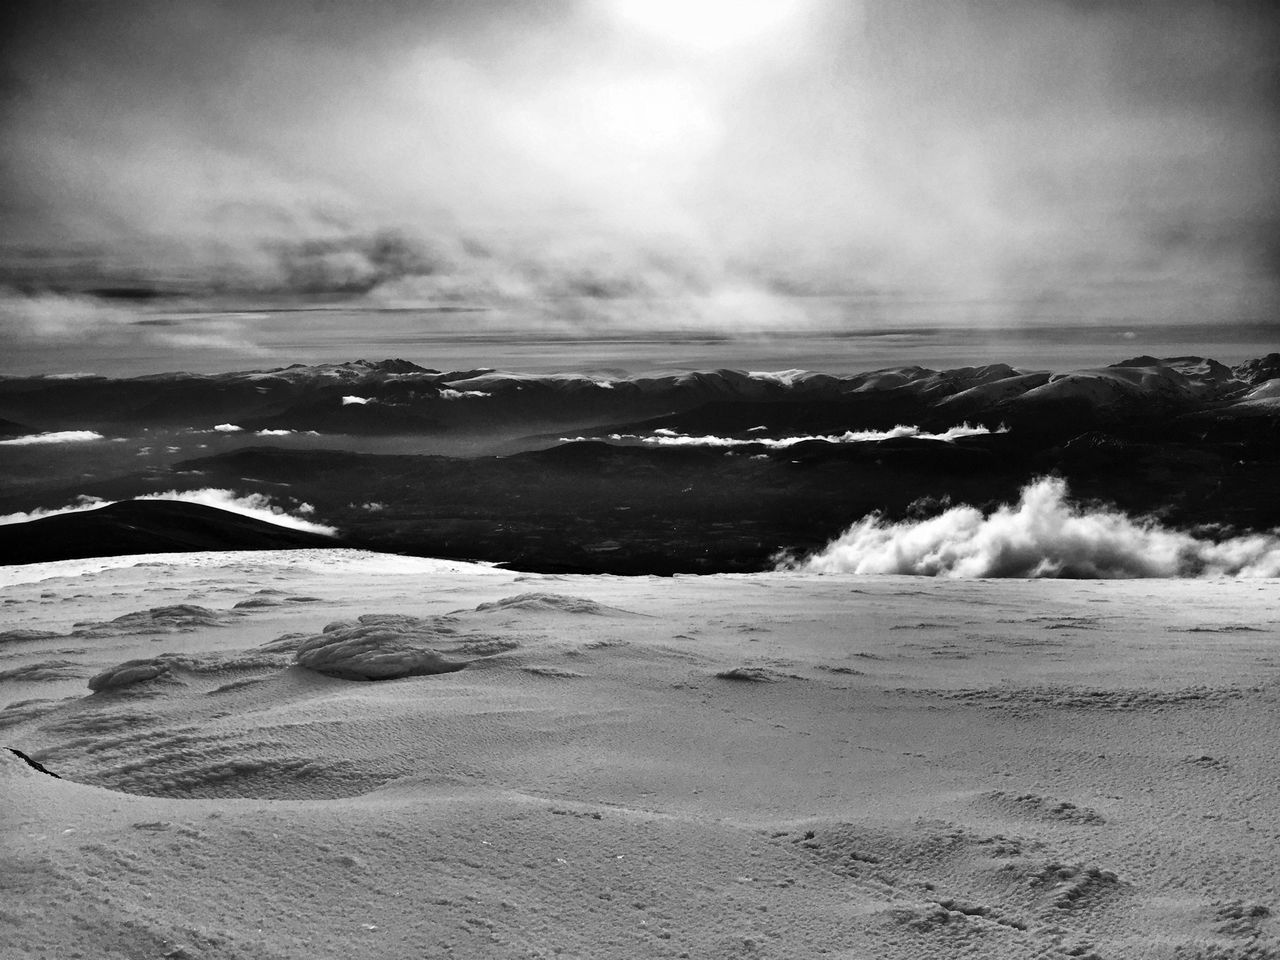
778	765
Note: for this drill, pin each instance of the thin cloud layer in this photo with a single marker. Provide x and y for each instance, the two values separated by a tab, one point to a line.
664	437
1042	535
56	436
58	321
59	318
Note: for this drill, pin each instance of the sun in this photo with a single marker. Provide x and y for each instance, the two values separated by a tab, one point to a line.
708	26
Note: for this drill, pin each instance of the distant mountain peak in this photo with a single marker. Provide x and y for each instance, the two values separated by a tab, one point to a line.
1260	369
391	366
1142	361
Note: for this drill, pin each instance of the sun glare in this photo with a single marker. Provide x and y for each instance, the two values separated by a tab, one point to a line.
708	26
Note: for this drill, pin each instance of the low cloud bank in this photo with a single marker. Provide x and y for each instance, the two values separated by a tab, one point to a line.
59	318
254	505
78	505
63	322
672	438
235	428
1042	535
57	436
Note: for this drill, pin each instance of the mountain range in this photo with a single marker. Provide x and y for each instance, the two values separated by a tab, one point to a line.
683	472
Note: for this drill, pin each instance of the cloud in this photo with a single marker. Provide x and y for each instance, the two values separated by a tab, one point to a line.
1043	535
255	505
227	428
61	323
642	162
664	437
57	436
55	318
358	401
78	505
448	393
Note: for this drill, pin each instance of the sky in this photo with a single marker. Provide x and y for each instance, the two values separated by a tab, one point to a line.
732	160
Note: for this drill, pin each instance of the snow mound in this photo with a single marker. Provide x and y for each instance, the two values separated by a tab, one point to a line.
169	666
390	646
128	673
44	670
749	675
545	603
178	618
23	635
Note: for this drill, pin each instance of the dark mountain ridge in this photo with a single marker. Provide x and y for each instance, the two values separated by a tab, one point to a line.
146	526
400	397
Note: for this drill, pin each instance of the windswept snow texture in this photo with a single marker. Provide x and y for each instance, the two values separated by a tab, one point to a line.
758	766
255	505
665	437
57	436
391	646
128	673
1043	535
545	603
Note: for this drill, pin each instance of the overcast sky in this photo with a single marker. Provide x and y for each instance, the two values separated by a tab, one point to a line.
494	151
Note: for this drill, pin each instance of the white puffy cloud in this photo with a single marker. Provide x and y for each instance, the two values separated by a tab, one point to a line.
255	505
1042	535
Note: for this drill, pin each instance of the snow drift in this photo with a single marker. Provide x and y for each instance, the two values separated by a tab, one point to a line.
1042	535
